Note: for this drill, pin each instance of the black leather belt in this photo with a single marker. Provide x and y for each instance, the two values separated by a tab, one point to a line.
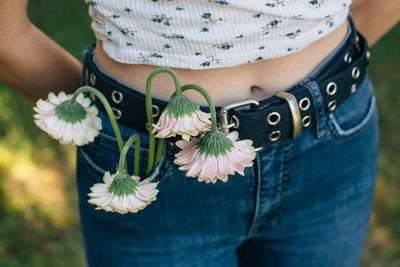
280	117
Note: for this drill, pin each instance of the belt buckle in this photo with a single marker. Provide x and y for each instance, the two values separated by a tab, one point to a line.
288	97
294	110
223	115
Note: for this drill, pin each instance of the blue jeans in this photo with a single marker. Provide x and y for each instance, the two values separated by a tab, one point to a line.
305	202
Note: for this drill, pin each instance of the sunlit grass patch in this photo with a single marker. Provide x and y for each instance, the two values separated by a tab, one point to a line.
39	222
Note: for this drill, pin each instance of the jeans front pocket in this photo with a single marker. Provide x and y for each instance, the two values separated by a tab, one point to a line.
103	155
109	236
353	115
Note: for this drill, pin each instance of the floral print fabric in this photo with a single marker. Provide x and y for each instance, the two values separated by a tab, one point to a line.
207	34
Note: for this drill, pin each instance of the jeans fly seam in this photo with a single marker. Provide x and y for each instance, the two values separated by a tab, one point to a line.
251	232
284	176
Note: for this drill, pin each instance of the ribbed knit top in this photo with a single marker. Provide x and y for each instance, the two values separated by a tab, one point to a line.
207	34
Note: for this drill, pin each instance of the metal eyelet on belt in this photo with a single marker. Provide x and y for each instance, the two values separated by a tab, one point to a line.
116	96
117	113
348	58
273	118
353	88
332	105
275	135
306	121
157	110
304	103
355	72
331	88
92	79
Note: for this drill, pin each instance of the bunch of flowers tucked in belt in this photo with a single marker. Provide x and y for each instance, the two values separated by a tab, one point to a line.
205	153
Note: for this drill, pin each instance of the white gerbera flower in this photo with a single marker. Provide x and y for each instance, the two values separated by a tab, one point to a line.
122	193
69	122
181	116
215	156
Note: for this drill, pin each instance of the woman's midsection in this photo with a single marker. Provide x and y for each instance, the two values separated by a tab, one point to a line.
259	80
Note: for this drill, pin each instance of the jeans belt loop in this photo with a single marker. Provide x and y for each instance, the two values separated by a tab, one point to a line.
295	111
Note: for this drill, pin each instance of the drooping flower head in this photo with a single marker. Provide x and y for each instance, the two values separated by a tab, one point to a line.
122	193
183	117
70	122
215	156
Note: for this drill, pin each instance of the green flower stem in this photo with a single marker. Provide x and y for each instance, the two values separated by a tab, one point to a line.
108	110
122	158
160	147
202	91
149	111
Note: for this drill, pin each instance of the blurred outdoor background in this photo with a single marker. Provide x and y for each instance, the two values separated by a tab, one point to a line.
39	220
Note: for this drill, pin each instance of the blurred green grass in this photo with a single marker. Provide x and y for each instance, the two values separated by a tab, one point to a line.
39	220
383	241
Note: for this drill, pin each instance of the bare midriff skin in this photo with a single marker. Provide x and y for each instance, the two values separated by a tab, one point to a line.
258	80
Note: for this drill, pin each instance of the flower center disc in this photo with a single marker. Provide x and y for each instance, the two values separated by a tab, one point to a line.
180	105
123	186
215	144
70	112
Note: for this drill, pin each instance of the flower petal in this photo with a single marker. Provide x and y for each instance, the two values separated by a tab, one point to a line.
79	133
122	204
210	168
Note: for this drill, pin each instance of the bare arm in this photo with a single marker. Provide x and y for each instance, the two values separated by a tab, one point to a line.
30	62
373	18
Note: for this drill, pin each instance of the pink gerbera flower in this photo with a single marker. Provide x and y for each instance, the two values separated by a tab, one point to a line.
181	116
215	156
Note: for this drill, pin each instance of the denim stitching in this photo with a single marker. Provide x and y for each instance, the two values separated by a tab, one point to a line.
162	167
93	149
359	129
88	162
112	143
272	220
284	176
251	231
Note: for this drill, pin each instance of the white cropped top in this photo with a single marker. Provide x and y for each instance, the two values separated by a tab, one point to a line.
207	34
